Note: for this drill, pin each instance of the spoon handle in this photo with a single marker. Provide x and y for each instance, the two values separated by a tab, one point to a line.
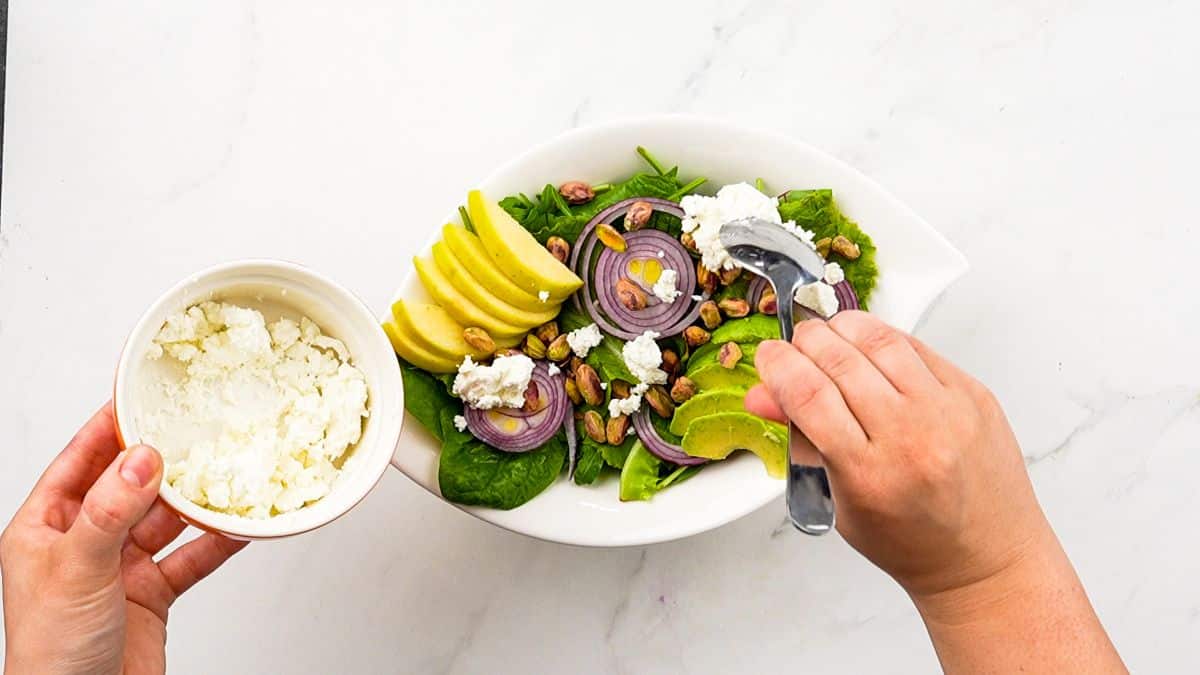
809	501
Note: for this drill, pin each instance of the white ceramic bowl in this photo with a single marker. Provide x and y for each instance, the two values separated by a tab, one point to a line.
276	288
916	265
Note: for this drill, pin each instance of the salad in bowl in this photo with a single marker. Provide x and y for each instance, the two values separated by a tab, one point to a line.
598	335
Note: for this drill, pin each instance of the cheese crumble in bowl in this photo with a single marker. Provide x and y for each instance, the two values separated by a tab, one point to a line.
271	393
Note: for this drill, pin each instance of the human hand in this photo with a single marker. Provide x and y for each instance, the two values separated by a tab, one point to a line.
930	485
82	591
926	474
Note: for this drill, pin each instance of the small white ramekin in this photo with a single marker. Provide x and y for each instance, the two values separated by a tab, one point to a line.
339	313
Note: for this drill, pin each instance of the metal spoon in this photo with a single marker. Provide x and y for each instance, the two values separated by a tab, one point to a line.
768	250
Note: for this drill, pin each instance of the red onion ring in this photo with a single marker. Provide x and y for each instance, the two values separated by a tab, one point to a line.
534	427
754	291
615	211
844	290
603	308
657	446
657	315
847	298
572	441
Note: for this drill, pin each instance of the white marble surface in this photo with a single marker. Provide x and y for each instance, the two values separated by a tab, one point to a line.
1053	142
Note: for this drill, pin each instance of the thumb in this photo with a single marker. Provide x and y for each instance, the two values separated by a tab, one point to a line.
117	501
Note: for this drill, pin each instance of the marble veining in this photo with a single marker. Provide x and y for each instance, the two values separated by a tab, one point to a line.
1053	142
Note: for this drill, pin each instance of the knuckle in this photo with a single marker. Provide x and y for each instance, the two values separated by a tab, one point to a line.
836	362
800	395
848	319
878	339
103	513
939	466
803	331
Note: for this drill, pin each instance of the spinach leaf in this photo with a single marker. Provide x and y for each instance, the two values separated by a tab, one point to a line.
587	468
614	455
427	398
738	289
549	216
816	210
570	319
663	427
639	476
605	357
472	472
645	475
608	361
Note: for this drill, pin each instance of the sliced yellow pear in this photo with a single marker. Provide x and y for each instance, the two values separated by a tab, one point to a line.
414	353
433	328
482	298
517	253
463	311
470	252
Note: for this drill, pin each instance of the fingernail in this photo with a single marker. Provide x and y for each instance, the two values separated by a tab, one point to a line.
139	466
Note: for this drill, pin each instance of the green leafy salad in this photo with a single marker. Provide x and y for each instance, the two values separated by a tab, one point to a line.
602	333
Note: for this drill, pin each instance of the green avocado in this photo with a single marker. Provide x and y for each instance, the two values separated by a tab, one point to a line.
754	328
705	356
708	403
713	376
715	436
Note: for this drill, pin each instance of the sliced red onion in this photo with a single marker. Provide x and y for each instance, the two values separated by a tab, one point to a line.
572	441
616	211
847	298
657	315
754	291
659	447
519	429
844	290
598	298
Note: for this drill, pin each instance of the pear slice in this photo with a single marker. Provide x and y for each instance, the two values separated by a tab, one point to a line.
433	328
408	349
470	252
463	311
482	298
517	253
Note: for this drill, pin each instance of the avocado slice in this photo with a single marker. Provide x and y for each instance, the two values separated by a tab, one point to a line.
707	403
713	376
704	356
715	436
754	328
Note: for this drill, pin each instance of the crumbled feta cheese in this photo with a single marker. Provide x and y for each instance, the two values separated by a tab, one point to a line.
697	298
624	406
643	358
583	339
834	274
543	295
553	369
256	420
460	423
704	216
500	385
665	288
819	297
662	253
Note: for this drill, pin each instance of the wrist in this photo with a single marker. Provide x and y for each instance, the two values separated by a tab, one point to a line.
1026	571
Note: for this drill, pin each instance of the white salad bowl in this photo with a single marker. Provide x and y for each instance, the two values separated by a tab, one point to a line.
916	264
276	288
